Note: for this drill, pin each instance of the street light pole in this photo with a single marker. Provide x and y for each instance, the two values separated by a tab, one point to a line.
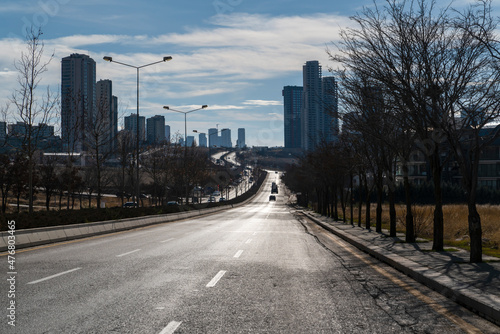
185	137
137	144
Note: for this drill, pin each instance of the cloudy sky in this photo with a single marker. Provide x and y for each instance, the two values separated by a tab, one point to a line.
233	55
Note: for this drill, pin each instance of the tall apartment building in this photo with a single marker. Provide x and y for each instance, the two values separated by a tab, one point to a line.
156	129
240	142
3	132
319	97
78	99
330	121
202	140
213	137
130	123
106	115
226	138
292	104
167	133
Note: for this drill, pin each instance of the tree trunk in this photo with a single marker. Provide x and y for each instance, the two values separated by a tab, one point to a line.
360	204
367	208
410	229
47	200
392	213
475	233
351	201
342	204
335	206
438	242
380	194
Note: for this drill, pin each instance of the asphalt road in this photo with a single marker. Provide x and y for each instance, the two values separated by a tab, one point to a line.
260	268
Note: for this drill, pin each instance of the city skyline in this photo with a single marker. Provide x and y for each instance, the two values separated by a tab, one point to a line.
235	58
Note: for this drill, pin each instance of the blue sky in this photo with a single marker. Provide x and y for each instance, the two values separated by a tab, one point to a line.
233	55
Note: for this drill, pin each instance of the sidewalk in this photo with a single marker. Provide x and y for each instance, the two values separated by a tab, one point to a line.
475	286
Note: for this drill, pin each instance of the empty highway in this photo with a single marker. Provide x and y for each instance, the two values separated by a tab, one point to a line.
258	268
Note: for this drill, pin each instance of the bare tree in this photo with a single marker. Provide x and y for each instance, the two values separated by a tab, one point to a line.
48	178
6	179
100	142
436	70
30	108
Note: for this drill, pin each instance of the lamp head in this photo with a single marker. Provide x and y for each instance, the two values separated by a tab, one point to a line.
106	58
166	107
167	58
204	106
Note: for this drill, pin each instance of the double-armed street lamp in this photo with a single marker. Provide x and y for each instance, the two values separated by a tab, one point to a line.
209	135
185	118
185	136
110	59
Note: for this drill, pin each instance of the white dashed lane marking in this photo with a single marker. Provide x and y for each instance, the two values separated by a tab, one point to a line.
214	280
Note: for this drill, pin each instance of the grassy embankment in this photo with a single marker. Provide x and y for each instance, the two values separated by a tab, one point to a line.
456	231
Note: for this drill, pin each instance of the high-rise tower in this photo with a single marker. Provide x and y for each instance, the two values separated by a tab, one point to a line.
156	129
240	143
106	114
292	104
78	99
319	119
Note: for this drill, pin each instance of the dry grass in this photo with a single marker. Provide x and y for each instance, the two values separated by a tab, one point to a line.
456	231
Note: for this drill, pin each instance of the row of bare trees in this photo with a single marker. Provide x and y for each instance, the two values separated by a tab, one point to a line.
109	160
415	79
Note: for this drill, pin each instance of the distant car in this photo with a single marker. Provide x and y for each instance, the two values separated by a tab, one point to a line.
130	205
172	203
211	199
222	199
272	198
216	193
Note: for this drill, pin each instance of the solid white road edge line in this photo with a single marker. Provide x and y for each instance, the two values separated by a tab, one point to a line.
53	276
127	253
171	327
238	253
214	280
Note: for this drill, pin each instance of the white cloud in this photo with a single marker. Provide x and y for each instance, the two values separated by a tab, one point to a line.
263	103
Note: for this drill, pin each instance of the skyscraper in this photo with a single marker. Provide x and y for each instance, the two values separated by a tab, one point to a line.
319	107
167	133
156	129
78	99
106	114
202	140
226	138
240	142
330	121
292	104
311	104
3	132
190	141
131	125
213	137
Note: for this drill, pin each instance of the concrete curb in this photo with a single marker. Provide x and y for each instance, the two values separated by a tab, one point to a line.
470	297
